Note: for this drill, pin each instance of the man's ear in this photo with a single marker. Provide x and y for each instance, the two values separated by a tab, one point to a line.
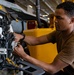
72	19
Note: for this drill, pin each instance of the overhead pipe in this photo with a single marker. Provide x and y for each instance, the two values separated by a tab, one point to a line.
38	13
40	9
48	6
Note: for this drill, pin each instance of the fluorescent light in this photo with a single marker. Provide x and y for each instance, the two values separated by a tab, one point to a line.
30	6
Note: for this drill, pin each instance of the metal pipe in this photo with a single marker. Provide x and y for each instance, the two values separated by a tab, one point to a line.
38	13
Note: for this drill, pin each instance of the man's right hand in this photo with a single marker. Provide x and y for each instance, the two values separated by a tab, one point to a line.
18	50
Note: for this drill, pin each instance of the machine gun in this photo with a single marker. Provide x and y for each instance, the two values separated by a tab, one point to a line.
7	43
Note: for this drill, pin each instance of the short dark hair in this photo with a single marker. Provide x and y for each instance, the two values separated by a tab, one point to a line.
68	6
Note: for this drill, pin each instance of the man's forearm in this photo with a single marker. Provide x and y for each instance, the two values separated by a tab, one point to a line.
48	68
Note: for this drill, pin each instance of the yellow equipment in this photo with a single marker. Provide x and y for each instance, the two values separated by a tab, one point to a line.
2	8
67	0
52	21
45	52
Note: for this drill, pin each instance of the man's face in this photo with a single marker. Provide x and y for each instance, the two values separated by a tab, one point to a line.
62	21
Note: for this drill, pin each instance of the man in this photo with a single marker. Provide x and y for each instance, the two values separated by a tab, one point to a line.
63	36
